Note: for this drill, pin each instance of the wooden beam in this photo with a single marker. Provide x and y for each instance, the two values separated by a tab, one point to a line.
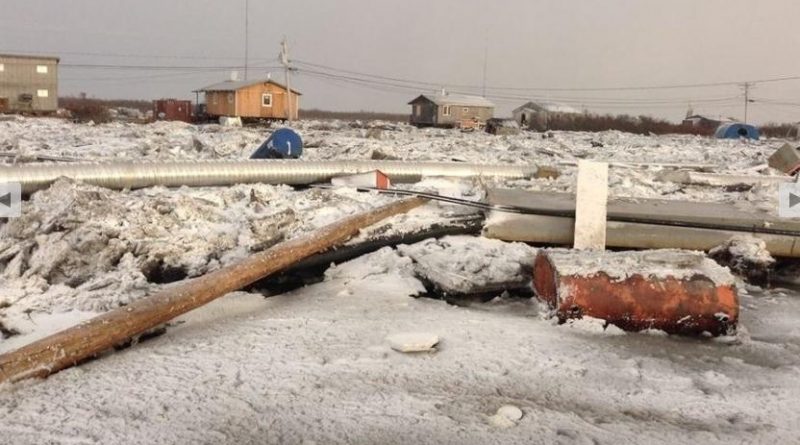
99	334
590	205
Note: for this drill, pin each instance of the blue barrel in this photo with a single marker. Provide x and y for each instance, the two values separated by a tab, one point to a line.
282	144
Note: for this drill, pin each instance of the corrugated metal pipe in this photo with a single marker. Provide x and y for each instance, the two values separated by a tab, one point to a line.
131	175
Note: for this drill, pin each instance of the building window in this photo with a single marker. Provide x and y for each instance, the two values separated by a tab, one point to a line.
230	98
214	98
417	110
465	110
266	100
42	93
446	110
41	69
2	67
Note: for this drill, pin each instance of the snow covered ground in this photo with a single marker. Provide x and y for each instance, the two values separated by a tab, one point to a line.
314	365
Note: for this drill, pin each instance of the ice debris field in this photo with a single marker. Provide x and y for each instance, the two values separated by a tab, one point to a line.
361	354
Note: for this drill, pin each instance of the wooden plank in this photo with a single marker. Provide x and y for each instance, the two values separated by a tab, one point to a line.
590	205
73	345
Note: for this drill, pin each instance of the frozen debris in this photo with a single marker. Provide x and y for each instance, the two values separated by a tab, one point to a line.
380	155
786	159
593	326
465	265
747	256
413	341
226	121
506	416
374	133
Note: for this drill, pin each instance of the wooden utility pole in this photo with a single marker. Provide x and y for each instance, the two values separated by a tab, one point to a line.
287	68
746	86
90	338
246	35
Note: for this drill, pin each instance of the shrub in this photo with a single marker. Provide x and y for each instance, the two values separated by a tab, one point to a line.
85	110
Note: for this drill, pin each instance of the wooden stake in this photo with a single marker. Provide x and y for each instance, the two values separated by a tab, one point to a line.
590	205
71	346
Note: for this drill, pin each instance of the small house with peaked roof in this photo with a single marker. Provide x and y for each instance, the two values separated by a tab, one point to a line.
255	99
450	110
536	114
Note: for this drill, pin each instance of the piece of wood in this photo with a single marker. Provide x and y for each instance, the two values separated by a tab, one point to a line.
590	205
71	346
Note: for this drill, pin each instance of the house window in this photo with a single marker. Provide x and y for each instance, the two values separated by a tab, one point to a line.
446	110
41	69
230	98
266	100
214	98
465	110
42	93
417	110
2	67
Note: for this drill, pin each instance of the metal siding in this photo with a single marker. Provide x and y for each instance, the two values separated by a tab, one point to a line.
20	77
173	109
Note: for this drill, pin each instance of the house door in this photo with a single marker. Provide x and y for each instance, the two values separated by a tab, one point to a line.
3	104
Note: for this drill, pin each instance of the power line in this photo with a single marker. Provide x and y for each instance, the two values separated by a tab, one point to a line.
407	87
117	55
560	89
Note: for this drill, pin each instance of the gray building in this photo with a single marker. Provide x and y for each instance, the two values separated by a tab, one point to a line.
450	110
536	114
28	84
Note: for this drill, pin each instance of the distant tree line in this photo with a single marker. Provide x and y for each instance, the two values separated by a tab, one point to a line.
353	115
97	110
85	109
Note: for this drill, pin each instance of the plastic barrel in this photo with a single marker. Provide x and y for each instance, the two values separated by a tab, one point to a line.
284	143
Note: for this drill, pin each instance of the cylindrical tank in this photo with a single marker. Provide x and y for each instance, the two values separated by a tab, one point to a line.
679	292
284	143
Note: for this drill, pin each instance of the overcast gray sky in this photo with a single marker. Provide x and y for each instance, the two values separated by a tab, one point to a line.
567	44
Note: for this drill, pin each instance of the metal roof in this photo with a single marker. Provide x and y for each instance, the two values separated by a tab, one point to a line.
455	99
550	107
233	85
28	56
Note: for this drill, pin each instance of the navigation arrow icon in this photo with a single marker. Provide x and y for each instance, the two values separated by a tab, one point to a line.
793	199
5	199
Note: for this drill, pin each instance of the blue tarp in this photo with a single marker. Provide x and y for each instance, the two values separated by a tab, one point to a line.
736	130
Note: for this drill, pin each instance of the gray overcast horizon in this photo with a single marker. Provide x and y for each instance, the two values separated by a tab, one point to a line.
530	44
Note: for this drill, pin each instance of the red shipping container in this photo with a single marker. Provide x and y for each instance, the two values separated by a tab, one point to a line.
172	110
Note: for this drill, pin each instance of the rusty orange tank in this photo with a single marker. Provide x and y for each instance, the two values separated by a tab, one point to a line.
679	292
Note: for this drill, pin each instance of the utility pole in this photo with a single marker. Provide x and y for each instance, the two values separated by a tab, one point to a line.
246	35
746	86
285	61
485	62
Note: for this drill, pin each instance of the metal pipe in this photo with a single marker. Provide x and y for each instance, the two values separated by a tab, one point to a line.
130	175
